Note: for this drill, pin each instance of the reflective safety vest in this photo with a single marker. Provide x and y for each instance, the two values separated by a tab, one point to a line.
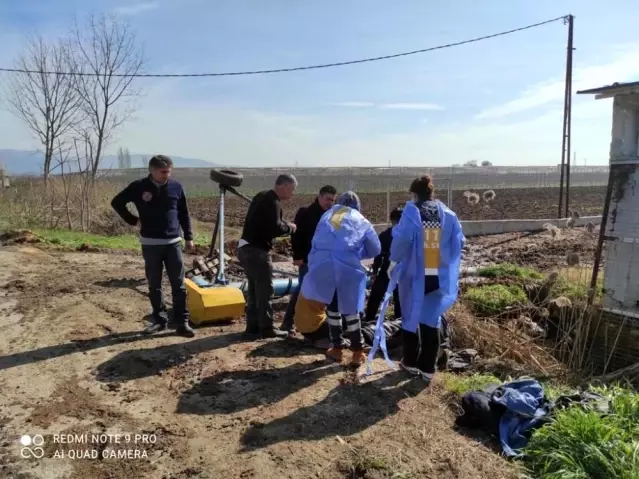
432	242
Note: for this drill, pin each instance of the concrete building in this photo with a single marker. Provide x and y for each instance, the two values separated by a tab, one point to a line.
621	252
618	335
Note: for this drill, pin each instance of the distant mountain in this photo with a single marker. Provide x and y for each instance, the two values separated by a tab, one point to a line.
23	162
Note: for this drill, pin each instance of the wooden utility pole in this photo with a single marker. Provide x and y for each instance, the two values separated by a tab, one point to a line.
565	144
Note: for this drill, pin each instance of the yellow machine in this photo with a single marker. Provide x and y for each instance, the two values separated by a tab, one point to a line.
214	303
210	296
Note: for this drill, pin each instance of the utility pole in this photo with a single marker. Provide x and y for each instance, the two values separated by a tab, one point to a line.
565	144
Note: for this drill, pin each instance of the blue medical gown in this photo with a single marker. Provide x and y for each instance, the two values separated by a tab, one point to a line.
343	238
407	250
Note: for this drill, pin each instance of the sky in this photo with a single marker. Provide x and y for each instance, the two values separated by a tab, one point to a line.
499	100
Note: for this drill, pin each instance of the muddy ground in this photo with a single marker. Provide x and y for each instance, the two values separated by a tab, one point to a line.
72	362
523	203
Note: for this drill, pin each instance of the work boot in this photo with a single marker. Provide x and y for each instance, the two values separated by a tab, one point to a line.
359	358
336	354
412	370
185	330
154	328
273	333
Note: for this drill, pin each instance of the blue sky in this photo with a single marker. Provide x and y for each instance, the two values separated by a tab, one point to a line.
499	100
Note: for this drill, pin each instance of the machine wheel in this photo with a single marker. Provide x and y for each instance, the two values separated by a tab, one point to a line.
227	177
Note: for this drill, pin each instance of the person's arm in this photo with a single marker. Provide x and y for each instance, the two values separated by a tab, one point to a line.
280	227
298	237
184	217
372	246
119	202
377	262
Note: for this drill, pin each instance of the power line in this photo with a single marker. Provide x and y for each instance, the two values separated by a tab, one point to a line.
293	69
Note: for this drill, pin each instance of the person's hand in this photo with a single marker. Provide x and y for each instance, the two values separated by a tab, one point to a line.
190	246
298	262
293	227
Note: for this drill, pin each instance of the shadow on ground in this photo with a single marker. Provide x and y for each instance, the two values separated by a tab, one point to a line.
52	352
290	348
347	409
136	364
233	391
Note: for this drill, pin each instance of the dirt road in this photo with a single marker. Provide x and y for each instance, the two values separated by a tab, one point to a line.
72	362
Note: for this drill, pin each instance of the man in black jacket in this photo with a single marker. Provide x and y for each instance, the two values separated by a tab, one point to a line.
306	220
262	225
162	213
380	273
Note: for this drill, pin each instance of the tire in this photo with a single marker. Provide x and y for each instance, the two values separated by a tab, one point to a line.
227	177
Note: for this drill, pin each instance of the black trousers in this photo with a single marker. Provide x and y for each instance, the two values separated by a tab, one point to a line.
378	289
421	349
259	273
156	259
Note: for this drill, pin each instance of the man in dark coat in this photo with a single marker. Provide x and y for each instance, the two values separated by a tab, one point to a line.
306	220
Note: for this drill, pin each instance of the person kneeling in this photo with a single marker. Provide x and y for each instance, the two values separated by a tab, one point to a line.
343	238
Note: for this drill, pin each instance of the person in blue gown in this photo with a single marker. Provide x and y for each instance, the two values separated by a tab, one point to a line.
336	277
426	251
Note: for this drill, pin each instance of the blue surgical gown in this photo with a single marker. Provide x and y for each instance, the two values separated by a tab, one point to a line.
409	249
343	238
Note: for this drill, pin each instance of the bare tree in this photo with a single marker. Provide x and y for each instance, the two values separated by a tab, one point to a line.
108	60
124	158
48	103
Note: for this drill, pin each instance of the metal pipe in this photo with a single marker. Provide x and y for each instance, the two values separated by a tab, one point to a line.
220	275
600	240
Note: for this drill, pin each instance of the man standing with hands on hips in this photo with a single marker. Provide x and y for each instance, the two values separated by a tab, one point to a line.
163	216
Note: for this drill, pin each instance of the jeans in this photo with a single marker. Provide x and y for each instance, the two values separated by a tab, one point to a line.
289	316
157	257
378	290
258	268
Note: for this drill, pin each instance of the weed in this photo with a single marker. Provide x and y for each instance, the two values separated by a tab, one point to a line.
495	299
509	270
582	443
460	385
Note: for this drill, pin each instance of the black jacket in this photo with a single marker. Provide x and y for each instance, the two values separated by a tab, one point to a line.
162	210
382	260
264	222
306	220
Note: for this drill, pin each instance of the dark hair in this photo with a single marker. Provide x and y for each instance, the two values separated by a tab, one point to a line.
160	161
396	214
423	187
327	190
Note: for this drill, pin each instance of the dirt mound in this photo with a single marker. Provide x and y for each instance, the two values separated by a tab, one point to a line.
19	237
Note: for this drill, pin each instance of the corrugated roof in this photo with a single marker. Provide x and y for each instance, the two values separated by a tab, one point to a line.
611	89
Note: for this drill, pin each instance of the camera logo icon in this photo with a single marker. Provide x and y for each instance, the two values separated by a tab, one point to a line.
31	446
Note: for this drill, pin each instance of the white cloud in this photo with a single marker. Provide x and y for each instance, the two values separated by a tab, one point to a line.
624	67
137	8
390	106
411	106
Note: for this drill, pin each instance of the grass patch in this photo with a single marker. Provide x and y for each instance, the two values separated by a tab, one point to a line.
583	444
75	239
460	385
494	299
509	270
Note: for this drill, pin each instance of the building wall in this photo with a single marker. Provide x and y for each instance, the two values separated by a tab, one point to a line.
621	253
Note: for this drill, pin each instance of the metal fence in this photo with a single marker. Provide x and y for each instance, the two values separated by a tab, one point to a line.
381	180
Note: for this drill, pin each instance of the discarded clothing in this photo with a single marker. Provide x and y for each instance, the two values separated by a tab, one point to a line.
342	240
461	360
515	409
427	243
